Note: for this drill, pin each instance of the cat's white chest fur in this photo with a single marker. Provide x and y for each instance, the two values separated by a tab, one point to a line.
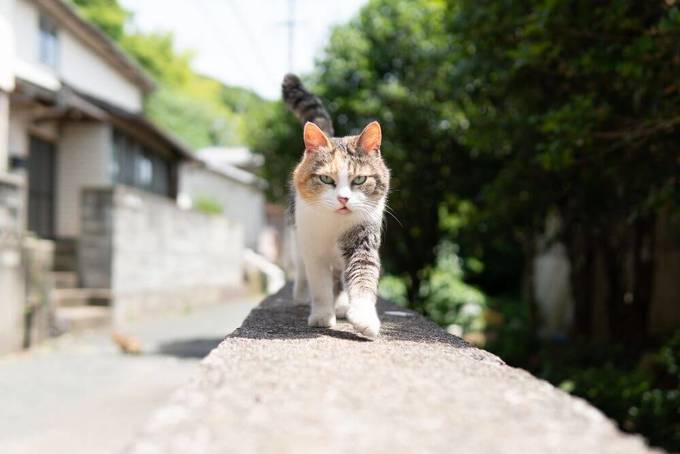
318	232
319	259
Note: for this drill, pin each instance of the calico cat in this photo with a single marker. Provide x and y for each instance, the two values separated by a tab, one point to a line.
339	191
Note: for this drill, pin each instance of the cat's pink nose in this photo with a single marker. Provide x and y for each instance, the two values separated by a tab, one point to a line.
343	200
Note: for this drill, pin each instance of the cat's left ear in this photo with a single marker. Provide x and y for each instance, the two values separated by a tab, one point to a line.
314	138
370	138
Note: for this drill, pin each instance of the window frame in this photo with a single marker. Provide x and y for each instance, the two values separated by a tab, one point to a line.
137	166
48	42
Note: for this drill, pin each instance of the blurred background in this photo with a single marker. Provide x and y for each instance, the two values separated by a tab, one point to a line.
144	159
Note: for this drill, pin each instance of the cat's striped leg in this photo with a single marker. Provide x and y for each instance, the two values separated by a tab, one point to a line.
362	271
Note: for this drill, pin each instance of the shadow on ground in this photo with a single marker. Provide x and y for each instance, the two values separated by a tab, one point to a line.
278	317
189	348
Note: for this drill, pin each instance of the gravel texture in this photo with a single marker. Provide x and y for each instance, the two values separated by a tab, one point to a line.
276	385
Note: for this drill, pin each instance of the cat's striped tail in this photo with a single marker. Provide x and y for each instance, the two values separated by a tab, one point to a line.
305	105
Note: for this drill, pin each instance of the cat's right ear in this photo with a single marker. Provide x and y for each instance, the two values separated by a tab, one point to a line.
314	138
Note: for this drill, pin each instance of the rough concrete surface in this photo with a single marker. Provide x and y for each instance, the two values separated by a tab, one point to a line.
276	385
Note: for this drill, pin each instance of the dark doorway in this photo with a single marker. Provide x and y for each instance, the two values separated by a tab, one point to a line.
41	188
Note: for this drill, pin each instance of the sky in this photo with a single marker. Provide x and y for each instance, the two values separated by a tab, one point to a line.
245	42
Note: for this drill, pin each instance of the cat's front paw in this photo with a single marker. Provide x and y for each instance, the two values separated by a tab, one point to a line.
364	319
321	319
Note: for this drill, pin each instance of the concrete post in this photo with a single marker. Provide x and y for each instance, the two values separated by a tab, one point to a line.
4	132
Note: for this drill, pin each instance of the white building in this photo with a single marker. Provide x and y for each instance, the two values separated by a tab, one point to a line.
93	175
73	109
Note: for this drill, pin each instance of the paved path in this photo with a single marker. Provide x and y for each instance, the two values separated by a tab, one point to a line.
276	385
79	394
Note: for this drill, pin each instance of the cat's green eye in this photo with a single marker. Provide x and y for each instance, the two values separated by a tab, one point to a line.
359	180
326	179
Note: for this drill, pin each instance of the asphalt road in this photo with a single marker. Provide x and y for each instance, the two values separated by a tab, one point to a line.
80	394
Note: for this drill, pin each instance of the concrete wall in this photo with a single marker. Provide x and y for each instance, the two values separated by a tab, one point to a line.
79	65
241	203
12	292
160	257
83	159
19	122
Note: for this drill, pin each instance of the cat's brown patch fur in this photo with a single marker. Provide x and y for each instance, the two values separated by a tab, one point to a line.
343	152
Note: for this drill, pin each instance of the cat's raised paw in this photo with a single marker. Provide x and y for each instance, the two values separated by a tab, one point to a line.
365	320
321	320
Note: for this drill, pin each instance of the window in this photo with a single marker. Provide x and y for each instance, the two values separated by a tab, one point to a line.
134	165
49	43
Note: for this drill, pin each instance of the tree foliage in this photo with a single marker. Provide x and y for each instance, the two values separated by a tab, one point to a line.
387	64
109	16
496	114
579	102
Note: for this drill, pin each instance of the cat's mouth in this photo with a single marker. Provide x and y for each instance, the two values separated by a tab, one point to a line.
343	210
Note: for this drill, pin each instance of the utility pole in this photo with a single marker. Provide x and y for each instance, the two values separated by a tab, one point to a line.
290	23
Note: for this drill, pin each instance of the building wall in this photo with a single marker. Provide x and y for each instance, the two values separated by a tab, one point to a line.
6	46
26	56
83	69
161	257
241	203
79	66
83	159
4	131
11	270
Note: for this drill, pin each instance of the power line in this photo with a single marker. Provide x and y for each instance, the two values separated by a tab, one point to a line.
251	40
225	44
290	24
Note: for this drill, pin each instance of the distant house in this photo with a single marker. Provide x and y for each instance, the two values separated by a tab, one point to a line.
83	168
219	178
75	117
241	157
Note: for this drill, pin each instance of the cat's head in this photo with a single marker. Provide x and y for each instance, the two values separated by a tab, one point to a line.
344	175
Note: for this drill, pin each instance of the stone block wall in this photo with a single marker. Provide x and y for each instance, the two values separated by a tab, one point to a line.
155	256
12	291
96	236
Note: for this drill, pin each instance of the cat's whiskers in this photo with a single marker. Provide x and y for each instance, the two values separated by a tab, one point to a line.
390	211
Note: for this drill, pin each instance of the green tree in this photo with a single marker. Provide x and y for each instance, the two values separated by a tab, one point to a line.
109	16
199	109
580	103
388	64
